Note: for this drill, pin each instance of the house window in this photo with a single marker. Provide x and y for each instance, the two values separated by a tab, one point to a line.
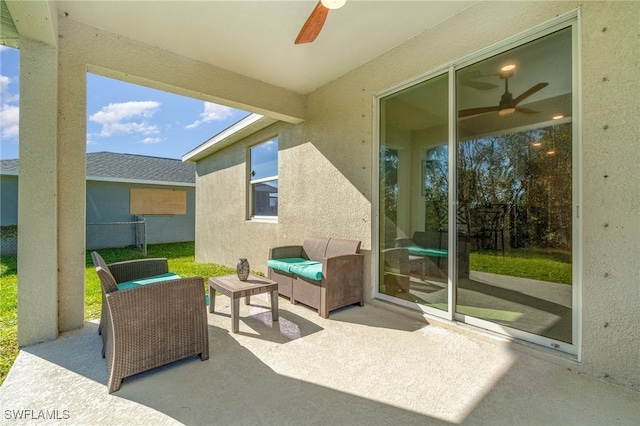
263	179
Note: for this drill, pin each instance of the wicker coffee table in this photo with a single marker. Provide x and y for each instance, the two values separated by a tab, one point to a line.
231	286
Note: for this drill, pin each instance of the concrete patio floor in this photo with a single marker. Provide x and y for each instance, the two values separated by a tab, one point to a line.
376	364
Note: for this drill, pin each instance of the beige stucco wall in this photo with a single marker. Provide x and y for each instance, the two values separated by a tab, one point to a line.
327	185
325	163
611	185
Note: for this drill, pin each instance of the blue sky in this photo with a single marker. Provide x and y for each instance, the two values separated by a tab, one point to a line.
122	117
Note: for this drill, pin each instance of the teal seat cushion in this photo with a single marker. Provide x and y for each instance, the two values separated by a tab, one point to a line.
310	270
286	263
422	251
298	266
148	280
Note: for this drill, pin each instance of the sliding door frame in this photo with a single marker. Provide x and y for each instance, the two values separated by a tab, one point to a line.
571	19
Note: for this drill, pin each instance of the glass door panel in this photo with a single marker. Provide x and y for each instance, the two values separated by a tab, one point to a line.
414	194
514	188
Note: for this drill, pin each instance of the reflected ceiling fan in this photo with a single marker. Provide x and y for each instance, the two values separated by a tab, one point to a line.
475	80
508	104
478	85
315	21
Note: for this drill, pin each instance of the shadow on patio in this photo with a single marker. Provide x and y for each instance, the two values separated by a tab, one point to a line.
369	365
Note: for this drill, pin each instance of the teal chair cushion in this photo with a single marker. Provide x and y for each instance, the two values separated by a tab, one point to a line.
285	264
298	266
421	251
311	270
148	280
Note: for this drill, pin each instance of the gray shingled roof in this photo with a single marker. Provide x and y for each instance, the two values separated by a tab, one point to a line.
129	167
9	166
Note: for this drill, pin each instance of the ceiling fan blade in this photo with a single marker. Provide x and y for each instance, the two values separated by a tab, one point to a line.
312	27
475	111
529	92
526	110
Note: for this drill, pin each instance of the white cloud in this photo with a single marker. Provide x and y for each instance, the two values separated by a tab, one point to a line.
270	145
90	140
9	120
9	110
117	118
151	140
110	129
4	83
5	94
212	112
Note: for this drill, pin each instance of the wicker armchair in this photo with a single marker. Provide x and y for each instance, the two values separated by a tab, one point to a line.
147	326
121	272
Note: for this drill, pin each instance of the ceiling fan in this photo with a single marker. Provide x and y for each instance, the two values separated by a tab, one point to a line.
508	104
315	21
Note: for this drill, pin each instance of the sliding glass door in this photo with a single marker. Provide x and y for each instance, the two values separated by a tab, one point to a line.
414	194
514	189
501	128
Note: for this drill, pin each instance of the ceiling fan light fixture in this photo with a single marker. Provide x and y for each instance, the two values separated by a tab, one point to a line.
333	4
506	111
557	117
508	67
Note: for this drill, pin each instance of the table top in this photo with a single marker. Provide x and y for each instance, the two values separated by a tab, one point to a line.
233	283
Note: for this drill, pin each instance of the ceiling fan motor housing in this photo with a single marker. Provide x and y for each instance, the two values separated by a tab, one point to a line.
506	99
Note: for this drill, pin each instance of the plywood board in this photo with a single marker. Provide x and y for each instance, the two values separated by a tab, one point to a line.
157	201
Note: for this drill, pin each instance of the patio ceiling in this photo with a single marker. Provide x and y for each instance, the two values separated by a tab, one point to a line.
256	38
8	31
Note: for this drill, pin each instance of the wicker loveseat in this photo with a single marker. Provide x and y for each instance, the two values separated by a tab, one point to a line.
323	273
147	323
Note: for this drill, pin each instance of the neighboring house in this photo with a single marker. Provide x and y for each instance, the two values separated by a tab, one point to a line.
115	183
361	150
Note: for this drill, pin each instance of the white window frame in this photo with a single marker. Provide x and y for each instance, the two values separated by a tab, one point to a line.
252	182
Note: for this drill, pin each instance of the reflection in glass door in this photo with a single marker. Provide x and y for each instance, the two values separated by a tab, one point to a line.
514	188
414	194
504	131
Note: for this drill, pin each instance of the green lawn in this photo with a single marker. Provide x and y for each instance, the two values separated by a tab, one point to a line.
181	261
543	265
8	314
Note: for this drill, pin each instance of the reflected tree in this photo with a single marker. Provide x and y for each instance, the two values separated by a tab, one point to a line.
389	195
518	185
436	188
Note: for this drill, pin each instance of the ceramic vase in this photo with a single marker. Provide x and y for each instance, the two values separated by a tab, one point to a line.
243	269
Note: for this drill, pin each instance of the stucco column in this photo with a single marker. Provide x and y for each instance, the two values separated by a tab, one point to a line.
71	160
37	194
